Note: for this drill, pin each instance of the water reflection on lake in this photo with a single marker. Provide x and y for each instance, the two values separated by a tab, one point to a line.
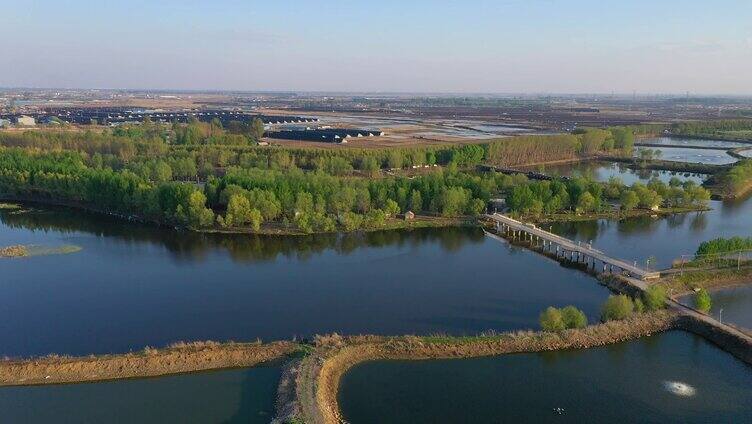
602	171
133	285
665	238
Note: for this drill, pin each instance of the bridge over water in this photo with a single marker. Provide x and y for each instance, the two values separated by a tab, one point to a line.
566	248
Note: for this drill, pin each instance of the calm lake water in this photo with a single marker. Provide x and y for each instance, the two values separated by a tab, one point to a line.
619	383
736	303
602	171
131	285
232	396
665	239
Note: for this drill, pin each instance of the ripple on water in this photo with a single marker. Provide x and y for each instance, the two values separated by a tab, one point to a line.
679	389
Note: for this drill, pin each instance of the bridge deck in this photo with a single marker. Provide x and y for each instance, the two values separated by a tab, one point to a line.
572	246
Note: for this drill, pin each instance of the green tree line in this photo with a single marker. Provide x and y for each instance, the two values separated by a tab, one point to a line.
721	246
584	196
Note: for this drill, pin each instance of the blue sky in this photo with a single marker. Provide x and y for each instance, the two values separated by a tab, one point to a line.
512	46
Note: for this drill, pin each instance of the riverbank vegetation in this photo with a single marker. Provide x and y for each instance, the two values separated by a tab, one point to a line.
722	246
569	317
718	253
193	175
299	201
734	182
733	130
620	307
703	303
581	196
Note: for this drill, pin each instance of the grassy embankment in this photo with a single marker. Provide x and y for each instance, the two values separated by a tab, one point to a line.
320	372
175	359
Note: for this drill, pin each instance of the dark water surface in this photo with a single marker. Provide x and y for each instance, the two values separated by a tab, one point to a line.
619	383
131	285
233	396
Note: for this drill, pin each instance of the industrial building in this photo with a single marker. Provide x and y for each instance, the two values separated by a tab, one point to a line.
330	135
116	115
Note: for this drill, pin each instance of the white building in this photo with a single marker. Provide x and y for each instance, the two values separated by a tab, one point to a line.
25	121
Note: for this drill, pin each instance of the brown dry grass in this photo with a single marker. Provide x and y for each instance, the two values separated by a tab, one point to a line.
176	359
321	372
17	251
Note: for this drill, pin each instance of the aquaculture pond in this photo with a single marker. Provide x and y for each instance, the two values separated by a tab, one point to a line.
688	154
134	285
229	396
686	142
669	378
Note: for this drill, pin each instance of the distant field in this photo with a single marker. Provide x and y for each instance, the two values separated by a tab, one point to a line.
742	134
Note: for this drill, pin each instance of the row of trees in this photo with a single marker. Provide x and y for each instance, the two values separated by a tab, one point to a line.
310	201
90	142
64	177
213	133
582	142
211	146
322	202
722	246
584	196
711	128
